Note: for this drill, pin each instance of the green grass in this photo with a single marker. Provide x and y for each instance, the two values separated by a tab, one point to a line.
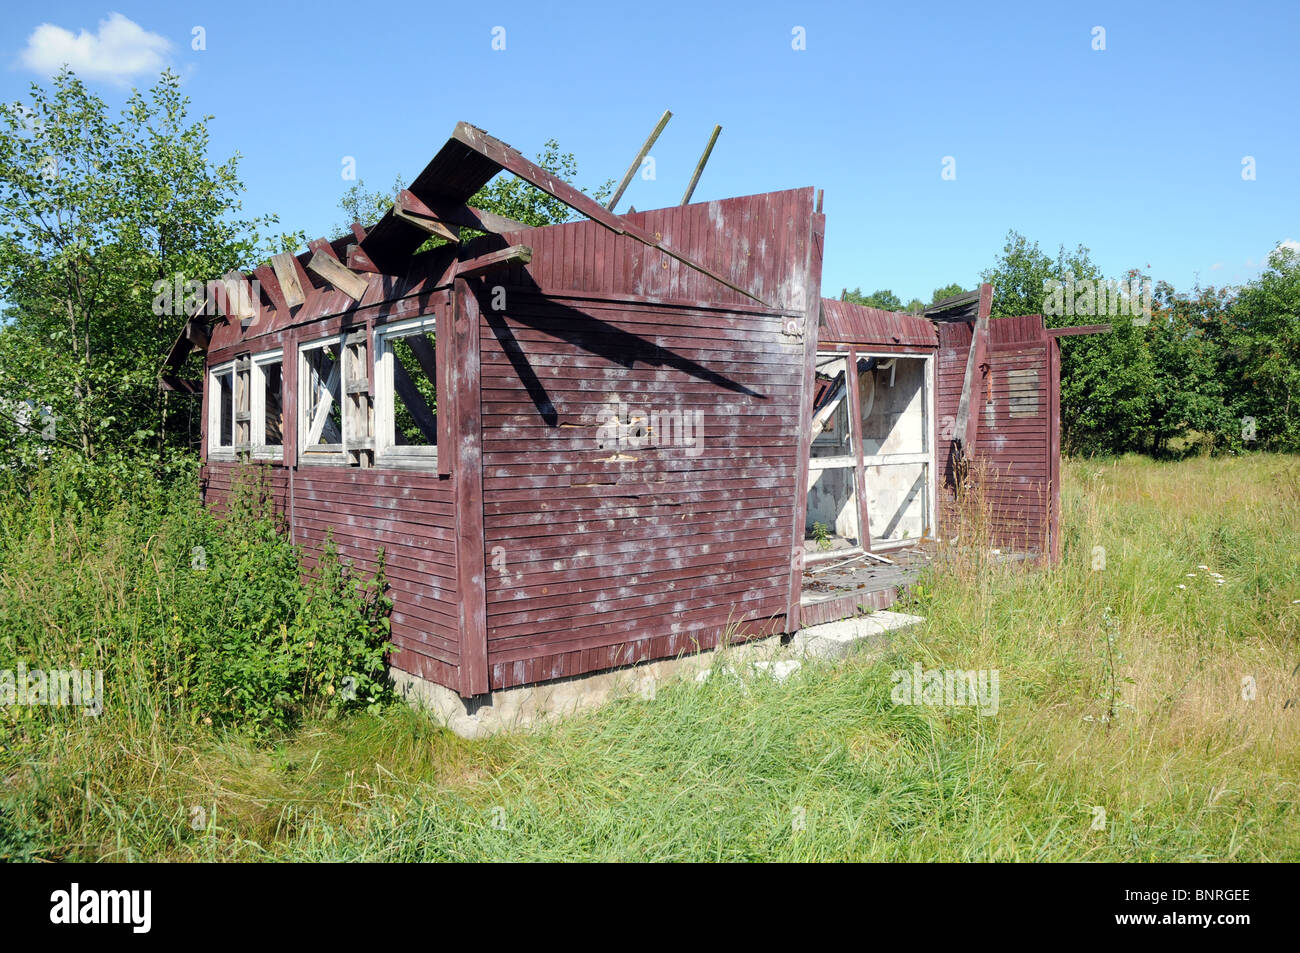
823	766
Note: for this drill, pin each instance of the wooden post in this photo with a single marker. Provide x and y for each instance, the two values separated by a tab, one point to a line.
636	163
471	568
855	432
967	424
699	167
803	443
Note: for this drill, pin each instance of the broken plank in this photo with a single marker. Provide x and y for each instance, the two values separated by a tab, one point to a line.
285	272
239	304
505	258
339	275
482	220
358	260
409	208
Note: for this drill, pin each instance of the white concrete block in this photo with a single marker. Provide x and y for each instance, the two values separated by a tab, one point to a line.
835	640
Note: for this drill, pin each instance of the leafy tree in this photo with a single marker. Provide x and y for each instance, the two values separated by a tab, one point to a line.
358	204
1106	380
93	212
947	291
883	298
1262	354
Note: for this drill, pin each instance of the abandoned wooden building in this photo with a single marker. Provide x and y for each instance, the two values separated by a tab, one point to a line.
591	444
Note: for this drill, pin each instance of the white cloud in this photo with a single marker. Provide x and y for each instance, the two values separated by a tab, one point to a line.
121	49
1217	266
1290	243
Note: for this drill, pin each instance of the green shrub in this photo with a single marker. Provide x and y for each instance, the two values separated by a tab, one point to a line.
193	619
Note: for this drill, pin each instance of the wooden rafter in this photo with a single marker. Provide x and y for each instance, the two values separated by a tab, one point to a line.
510	160
410	208
699	166
636	163
505	258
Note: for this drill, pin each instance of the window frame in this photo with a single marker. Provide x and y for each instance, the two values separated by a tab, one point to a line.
259	448
389	453
334	453
215	450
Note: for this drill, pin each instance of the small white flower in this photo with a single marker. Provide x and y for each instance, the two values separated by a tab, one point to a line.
1202	567
1191	575
1181	586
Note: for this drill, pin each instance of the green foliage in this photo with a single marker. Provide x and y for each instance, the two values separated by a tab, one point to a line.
514	198
1160	387
1261	353
94	211
821	534
192	619
883	298
362	206
947	291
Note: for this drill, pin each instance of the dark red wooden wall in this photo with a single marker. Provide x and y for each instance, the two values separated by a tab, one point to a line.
573	557
603	556
1017	456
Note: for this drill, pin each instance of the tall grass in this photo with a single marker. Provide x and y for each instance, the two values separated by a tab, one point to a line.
200	628
1123	730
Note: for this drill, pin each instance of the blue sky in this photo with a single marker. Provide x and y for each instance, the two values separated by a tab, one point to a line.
1135	151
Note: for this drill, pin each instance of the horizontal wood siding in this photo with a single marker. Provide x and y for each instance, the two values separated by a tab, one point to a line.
1015	443
600	556
594	557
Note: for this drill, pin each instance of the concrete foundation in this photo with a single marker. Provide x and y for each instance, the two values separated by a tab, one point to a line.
527	705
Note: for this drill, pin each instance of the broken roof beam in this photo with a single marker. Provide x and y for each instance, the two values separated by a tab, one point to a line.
966	428
510	160
477	219
409	208
636	163
325	263
505	258
699	167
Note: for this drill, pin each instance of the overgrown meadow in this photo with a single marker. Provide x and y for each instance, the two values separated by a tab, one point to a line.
1148	703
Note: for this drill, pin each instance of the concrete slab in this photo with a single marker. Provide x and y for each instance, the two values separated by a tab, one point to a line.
530	705
835	640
